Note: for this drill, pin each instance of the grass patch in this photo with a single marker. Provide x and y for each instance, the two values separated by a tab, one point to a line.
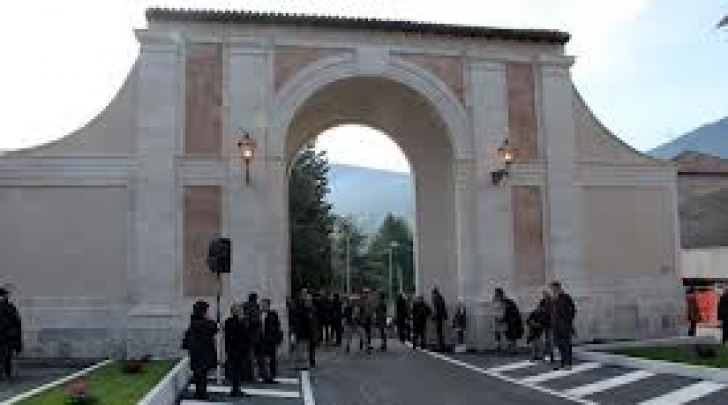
679	354
109	385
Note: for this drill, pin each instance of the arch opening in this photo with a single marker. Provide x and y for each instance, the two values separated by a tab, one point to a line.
409	120
371	233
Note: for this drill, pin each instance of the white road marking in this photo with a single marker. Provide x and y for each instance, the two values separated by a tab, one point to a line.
258	392
552	375
604	385
284	380
196	402
511	366
686	394
280	380
502	377
306	388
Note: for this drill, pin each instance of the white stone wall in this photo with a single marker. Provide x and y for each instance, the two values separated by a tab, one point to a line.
132	156
709	263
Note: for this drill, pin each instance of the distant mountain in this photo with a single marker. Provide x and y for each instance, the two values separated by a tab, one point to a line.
369	194
711	139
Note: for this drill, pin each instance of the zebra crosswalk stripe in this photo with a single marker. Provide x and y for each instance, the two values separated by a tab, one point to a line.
551	375
604	385
259	392
511	366
686	394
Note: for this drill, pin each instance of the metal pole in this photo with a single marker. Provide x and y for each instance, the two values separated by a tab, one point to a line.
218	369
389	292
348	265
401	280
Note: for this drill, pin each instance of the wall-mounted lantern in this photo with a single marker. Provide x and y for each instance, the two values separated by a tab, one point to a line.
246	147
506	154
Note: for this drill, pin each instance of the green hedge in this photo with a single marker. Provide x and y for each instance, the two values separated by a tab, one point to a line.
109	386
679	354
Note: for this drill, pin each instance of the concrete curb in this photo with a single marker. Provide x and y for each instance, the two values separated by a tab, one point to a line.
53	384
595	353
671	341
167	391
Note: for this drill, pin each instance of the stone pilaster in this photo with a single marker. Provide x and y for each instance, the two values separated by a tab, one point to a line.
257	263
154	287
563	196
490	121
465	228
492	218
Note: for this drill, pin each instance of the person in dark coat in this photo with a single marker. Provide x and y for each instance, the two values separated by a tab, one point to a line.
366	318
337	319
401	316
11	332
460	323
539	329
510	318
723	314
271	339
306	329
563	312
352	318
291	314
237	347
251	310
199	341
320	312
420	313
440	316
380	320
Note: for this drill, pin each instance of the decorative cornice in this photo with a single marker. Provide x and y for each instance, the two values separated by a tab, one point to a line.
66	171
342	23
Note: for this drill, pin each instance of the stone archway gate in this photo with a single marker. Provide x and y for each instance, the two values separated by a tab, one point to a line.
104	231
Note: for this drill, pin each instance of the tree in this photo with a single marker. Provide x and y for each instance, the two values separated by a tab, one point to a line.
393	230
349	245
311	220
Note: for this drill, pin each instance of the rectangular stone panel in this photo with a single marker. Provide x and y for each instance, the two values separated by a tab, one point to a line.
203	99
522	122
449	69
528	242
202	220
629	232
290	59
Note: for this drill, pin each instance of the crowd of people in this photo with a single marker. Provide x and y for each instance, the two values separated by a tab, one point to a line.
549	325
251	336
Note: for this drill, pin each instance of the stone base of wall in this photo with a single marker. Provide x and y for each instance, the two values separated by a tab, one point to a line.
631	309
625	309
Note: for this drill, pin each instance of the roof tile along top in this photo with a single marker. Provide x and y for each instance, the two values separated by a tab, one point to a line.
300	20
691	162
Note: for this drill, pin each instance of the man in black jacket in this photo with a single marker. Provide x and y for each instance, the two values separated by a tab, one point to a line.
337	318
271	339
420	313
723	313
237	348
563	312
251	310
10	333
199	341
401	318
440	316
306	329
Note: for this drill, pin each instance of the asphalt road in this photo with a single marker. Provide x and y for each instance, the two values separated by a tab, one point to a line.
402	376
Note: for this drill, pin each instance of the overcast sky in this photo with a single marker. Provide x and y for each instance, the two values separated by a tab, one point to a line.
651	70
